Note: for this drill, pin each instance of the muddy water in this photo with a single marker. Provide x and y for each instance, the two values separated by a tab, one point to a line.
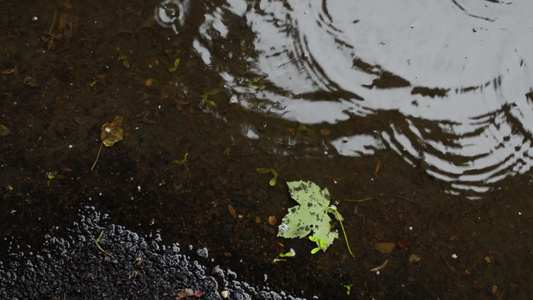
413	108
449	80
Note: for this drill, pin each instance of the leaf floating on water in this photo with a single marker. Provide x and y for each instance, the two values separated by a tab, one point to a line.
112	132
311	216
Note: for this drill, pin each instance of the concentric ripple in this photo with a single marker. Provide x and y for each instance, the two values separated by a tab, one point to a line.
450	80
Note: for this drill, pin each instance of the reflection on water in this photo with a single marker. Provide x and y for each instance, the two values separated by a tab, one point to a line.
171	13
450	80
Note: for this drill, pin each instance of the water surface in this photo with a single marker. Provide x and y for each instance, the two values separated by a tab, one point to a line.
447	84
411	106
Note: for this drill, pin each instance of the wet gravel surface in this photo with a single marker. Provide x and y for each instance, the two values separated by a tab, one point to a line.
126	267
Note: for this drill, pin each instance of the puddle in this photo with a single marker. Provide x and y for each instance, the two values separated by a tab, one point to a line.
447	84
402	111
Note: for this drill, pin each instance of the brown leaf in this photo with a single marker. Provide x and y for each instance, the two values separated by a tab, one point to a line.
385	247
112	132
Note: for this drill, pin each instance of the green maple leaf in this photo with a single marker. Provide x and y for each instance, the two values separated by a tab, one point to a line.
311	216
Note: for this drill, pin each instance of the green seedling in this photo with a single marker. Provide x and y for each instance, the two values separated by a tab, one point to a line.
175	66
348	288
320	243
272	181
100	247
124	61
252	83
282	256
301	130
206	97
183	161
50	176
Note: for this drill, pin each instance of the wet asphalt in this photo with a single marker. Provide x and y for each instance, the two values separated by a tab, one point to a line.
94	260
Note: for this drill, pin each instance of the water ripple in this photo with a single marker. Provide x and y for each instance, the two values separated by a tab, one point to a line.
449	80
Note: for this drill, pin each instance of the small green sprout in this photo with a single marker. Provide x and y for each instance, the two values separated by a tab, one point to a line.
206	96
252	83
320	243
98	245
348	288
282	256
175	67
50	176
301	130
272	181
124	61
182	162
291	253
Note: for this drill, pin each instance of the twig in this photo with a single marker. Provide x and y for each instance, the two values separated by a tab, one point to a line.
378	167
97	156
363	226
361	200
433	219
407	199
383	265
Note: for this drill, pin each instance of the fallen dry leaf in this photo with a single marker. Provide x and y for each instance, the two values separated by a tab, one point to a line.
385	247
112	132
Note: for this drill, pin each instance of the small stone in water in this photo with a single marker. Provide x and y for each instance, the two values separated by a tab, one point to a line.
385	247
414	258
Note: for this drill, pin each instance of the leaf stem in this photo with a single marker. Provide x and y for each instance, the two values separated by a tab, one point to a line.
98	245
339	217
97	156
